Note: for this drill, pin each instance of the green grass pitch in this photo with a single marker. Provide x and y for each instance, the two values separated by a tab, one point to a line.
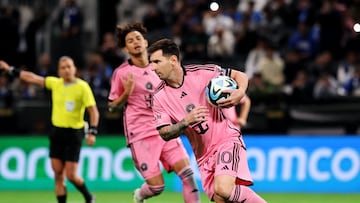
168	197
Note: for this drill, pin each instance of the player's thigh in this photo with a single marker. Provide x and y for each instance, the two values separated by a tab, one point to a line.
174	156
58	166
207	170
146	156
231	161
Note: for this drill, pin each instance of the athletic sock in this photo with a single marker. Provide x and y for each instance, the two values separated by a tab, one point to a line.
147	191
84	191
190	188
61	198
244	194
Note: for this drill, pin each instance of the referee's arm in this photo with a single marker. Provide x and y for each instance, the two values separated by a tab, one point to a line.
26	76
93	115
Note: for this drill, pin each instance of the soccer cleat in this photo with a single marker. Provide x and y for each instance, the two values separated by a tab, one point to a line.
136	198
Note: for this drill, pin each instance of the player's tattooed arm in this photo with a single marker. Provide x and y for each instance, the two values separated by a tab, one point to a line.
173	131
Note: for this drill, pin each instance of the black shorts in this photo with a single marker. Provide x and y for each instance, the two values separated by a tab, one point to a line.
65	143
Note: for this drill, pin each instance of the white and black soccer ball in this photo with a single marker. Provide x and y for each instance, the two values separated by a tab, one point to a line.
216	86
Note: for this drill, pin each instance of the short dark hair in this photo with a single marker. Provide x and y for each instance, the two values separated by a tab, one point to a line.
122	31
168	47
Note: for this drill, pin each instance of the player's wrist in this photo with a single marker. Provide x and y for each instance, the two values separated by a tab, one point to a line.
93	130
183	124
14	72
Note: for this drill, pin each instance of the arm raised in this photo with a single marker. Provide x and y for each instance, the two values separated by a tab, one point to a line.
26	76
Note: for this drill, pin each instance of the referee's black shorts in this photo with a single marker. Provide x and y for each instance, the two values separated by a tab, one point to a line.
65	143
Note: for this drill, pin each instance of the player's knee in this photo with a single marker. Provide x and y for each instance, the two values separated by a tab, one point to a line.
71	176
59	177
156	189
223	190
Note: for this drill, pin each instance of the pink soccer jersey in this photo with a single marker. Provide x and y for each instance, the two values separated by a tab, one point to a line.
138	117
173	104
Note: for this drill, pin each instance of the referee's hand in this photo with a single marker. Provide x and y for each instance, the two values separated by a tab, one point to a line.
90	139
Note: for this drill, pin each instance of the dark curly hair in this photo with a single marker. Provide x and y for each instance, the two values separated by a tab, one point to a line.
122	31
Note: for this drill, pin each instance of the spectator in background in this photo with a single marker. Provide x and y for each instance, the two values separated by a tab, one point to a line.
44	66
246	37
70	23
110	52
221	44
293	64
271	68
255	54
330	24
9	34
195	43
6	94
273	27
300	90
255	17
325	87
304	40
34	37
324	62
211	19
352	85
22	89
97	73
346	67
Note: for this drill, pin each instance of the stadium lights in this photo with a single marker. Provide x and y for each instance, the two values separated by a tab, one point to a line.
214	6
356	27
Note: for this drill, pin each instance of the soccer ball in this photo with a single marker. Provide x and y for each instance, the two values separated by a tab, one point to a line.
216	85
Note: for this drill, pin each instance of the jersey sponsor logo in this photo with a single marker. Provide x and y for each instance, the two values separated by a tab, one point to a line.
200	128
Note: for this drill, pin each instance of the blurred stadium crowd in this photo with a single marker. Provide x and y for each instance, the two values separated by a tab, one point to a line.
295	52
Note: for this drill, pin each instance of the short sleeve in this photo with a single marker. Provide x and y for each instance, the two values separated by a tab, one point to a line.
116	88
161	117
88	96
50	82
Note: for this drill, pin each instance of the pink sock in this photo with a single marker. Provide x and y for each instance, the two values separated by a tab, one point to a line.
244	194
190	188
147	191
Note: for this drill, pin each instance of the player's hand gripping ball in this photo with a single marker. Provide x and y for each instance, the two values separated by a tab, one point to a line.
216	86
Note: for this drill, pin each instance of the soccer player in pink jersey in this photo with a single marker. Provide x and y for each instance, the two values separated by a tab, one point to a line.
180	106
132	85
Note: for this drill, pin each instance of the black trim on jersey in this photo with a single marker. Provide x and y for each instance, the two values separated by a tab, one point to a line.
161	126
236	157
192	68
184	70
130	62
227	71
159	87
